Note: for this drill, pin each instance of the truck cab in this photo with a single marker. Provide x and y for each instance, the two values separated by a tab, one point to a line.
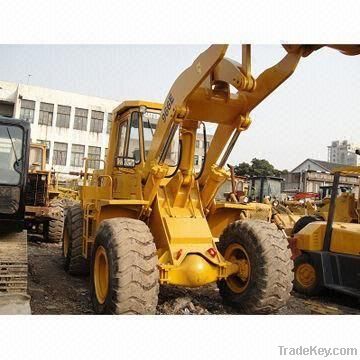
14	144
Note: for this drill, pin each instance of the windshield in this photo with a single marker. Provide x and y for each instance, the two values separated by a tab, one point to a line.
273	188
150	120
11	140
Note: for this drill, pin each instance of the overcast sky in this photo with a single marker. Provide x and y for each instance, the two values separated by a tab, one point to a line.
318	104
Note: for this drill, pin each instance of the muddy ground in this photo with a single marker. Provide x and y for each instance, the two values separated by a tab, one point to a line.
55	292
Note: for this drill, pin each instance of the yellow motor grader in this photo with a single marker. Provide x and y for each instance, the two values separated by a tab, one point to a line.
149	219
327	253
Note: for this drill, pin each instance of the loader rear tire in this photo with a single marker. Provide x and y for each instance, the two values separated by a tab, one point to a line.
74	262
265	281
124	273
56	226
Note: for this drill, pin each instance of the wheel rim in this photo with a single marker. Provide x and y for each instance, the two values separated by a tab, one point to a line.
237	254
305	275
66	243
101	274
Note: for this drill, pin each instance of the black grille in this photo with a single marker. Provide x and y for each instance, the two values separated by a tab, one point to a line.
36	190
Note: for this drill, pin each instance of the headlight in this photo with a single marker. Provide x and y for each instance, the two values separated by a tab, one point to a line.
275	203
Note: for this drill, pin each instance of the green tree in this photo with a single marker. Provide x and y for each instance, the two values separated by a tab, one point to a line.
243	169
258	167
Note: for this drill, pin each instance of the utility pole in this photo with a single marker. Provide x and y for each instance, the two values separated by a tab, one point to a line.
29	76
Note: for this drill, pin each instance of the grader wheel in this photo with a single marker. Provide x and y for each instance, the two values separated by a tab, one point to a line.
74	262
307	279
264	281
124	273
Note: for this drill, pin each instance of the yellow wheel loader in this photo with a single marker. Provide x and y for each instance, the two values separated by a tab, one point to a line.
328	252
149	219
44	206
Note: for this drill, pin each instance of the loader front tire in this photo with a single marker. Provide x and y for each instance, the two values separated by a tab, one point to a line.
124	273
74	262
264	281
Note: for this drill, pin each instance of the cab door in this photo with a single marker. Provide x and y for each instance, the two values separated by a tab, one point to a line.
127	160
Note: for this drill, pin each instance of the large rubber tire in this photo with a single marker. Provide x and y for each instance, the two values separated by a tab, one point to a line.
305	220
56	227
307	287
133	276
74	262
270	277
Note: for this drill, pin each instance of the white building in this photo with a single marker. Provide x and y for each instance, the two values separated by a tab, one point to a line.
311	174
73	126
343	152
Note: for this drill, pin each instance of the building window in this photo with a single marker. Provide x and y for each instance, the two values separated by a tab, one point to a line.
60	153
97	120
196	159
94	154
197	144
80	121
77	155
27	110
47	143
63	116
109	122
207	144
46	114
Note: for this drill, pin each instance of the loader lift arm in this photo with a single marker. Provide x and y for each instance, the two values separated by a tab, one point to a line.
202	93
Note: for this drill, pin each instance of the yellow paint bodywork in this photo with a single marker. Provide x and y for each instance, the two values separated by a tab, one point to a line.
345	208
224	213
345	238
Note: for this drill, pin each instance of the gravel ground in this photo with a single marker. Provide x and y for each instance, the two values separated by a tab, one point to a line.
55	292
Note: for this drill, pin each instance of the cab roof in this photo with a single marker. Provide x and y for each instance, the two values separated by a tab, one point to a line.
347	170
13	121
125	105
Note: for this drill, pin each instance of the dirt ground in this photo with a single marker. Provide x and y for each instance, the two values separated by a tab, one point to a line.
53	291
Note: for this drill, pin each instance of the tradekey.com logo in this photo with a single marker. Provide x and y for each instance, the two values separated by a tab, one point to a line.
315	350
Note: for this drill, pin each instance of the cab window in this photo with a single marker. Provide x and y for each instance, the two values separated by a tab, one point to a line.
122	139
134	140
128	153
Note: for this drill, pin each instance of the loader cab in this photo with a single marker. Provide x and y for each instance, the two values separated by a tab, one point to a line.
37	157
14	160
326	190
133	128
